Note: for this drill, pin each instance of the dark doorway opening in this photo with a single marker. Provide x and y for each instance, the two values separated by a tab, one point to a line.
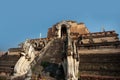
63	30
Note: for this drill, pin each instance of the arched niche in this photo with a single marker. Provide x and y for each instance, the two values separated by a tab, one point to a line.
63	29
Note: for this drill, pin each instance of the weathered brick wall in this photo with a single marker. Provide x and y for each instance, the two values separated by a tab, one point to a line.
79	28
99	64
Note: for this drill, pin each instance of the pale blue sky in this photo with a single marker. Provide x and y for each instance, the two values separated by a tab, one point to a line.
22	19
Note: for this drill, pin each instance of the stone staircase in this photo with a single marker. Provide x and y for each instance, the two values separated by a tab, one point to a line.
54	51
7	63
49	65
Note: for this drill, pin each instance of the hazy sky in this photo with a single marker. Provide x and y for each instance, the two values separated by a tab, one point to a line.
26	19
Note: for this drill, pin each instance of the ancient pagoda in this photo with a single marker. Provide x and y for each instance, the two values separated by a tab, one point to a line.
69	52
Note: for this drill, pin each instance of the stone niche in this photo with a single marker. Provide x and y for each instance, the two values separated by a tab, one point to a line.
66	28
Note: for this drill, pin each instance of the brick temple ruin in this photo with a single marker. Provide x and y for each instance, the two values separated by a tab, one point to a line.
69	52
